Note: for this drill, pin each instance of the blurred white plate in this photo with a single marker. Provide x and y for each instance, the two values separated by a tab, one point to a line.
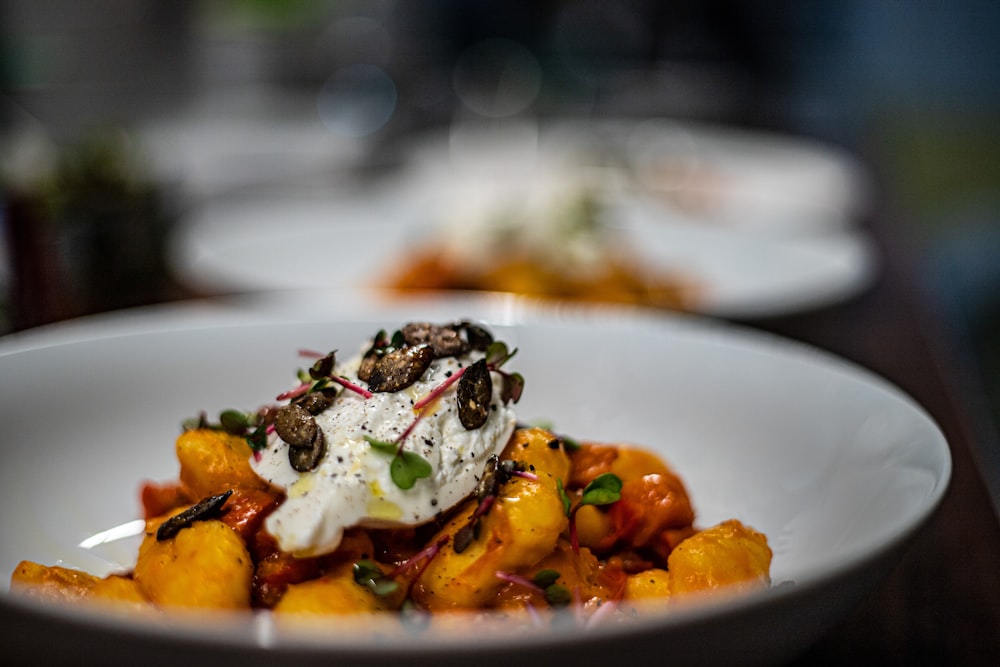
246	143
838	468
752	181
264	243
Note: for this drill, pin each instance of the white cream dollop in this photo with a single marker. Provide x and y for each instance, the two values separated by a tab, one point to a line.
557	217
352	485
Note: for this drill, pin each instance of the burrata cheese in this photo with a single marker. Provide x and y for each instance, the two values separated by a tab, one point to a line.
352	485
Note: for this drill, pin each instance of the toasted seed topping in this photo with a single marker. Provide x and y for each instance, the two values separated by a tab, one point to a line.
304	459
475	390
206	509
295	425
400	368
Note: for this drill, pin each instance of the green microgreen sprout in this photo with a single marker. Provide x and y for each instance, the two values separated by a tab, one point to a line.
406	467
236	421
604	489
569	444
383	344
556	594
544	582
368	574
497	355
249	425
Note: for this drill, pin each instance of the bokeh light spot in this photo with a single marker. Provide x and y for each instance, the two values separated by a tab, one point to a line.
357	100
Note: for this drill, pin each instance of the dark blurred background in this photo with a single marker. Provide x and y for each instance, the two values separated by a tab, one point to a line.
911	87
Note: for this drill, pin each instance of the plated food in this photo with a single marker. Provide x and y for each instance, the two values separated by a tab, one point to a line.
234	246
550	237
725	176
836	467
401	481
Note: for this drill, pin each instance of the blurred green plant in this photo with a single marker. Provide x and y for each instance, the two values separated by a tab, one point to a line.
267	15
88	233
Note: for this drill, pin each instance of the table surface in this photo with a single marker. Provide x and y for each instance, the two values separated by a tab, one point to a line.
941	604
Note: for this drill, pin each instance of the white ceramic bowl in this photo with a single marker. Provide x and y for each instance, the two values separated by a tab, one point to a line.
837	467
763	183
263	242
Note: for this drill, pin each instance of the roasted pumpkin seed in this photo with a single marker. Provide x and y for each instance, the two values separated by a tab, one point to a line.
400	368
475	391
295	425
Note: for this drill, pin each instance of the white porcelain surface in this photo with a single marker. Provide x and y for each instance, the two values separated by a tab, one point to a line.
245	141
345	240
764	182
837	467
767	183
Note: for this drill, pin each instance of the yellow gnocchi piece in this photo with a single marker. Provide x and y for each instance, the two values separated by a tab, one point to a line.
205	565
55	583
729	555
649	584
51	582
521	528
214	461
118	589
333	593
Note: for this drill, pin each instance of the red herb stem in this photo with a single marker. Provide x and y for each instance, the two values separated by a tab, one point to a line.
434	393
574	538
409	430
347	384
484	506
294	393
512	578
422	559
